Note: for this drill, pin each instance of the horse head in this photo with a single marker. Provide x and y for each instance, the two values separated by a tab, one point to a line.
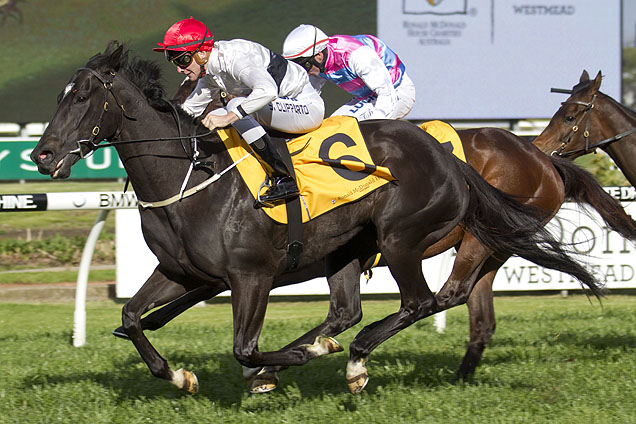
568	132
89	112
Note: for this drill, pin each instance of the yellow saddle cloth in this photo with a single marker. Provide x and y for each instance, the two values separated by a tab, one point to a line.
332	164
445	133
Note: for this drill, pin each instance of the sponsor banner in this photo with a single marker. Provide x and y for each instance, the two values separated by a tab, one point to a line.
603	252
476	59
67	201
15	163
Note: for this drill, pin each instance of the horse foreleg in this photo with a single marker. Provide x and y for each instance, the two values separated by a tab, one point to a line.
162	316
156	291
249	304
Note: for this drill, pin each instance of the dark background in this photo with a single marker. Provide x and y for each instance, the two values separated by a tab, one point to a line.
39	55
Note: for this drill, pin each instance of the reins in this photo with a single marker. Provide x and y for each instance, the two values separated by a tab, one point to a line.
586	134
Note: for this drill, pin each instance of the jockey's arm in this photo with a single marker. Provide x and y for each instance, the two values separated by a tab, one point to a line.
212	120
263	90
365	63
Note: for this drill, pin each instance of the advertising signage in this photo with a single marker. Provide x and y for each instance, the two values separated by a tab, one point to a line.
498	59
15	163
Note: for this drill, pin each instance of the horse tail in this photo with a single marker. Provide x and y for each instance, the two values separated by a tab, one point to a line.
582	188
504	225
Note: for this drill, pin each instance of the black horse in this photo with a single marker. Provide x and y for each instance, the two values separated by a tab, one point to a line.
217	240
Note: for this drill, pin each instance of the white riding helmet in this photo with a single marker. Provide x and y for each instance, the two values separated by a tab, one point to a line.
304	41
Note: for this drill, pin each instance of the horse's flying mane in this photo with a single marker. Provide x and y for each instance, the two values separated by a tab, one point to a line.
145	74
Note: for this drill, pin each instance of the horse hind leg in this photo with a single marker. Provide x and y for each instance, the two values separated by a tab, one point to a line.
470	258
417	302
156	291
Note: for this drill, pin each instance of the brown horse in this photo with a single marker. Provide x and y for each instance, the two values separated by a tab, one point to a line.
590	120
511	164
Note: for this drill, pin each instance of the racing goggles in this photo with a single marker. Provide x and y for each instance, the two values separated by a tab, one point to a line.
305	62
181	59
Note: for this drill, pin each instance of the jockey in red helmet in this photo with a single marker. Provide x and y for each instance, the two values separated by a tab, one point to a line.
266	89
183	40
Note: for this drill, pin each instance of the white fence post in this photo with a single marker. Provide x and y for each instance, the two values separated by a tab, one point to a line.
79	316
104	202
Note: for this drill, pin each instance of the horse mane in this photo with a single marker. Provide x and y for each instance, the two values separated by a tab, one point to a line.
626	109
145	74
583	87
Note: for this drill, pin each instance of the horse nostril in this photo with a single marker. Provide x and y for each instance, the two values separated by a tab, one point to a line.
45	156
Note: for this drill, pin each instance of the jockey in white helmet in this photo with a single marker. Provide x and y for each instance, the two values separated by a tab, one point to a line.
363	65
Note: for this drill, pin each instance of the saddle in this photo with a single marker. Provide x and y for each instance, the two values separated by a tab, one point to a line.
332	166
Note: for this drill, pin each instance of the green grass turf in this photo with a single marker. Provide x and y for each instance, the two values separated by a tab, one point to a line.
552	360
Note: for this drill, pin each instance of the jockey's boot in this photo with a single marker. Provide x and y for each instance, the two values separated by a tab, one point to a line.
283	185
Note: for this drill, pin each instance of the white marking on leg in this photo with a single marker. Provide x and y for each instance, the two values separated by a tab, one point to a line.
356	368
178	378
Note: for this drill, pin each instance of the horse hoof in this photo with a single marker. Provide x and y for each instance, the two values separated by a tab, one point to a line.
186	380
264	383
357	376
119	332
357	383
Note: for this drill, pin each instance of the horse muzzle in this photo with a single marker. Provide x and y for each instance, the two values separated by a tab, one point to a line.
51	163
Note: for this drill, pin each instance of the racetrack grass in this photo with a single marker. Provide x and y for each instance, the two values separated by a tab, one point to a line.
54	276
552	360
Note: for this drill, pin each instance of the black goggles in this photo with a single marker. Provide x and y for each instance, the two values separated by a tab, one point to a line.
179	58
305	62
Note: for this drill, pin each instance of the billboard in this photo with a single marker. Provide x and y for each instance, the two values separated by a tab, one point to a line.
607	255
496	59
15	163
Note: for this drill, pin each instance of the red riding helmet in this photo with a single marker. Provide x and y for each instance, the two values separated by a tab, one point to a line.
187	35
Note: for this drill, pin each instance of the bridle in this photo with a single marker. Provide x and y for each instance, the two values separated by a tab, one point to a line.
94	144
589	148
587	107
107	83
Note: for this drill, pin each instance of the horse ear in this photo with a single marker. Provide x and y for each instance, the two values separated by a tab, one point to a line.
584	76
597	81
115	58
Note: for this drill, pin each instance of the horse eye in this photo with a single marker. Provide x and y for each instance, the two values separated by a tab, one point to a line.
569	118
81	99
